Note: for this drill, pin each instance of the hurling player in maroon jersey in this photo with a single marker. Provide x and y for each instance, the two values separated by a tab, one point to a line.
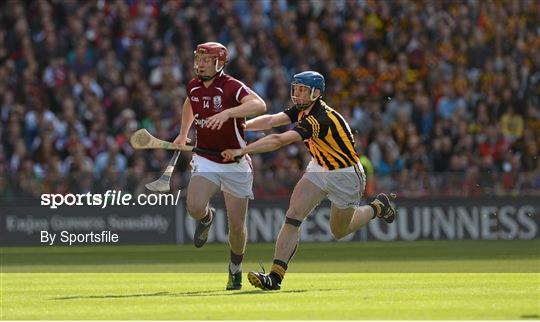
218	104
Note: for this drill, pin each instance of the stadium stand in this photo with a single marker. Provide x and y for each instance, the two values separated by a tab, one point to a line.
444	100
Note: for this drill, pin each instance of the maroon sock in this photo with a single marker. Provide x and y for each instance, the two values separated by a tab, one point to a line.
236	259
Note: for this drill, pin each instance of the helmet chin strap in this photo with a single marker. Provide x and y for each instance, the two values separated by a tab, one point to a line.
311	97
207	78
304	106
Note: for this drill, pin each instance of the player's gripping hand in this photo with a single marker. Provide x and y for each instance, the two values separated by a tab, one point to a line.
182	140
231	154
215	122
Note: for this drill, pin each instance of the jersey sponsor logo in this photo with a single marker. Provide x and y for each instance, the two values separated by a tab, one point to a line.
200	122
194	99
217	102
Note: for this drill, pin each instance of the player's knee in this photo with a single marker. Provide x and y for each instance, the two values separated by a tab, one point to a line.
294	213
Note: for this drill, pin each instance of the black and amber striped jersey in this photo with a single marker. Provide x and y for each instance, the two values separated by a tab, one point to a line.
326	134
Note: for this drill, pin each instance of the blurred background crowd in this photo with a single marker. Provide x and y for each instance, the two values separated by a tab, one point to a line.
443	96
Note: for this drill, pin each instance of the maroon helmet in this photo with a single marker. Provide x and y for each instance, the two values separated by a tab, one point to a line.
210	50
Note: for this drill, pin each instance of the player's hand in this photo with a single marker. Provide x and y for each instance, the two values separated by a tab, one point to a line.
215	122
182	140
231	154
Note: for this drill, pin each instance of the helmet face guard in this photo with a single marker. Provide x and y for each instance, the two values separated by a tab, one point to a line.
297	88
201	60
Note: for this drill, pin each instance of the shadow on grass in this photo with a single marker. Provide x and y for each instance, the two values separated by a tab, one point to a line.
530	316
184	294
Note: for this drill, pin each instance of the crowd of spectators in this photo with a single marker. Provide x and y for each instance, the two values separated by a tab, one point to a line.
443	96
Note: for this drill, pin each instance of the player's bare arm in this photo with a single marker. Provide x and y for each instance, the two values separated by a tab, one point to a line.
266	122
251	105
185	123
268	143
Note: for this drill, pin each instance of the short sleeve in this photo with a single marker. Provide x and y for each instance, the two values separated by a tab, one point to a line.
305	128
292	112
238	89
310	127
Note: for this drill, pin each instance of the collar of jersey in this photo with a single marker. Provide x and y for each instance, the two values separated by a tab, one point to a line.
318	104
221	73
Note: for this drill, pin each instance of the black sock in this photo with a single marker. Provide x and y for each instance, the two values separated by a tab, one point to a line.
236	259
374	210
275	276
278	270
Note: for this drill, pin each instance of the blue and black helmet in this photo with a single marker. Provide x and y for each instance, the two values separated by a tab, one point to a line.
311	79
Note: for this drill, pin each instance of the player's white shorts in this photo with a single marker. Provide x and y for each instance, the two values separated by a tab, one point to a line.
344	187
234	178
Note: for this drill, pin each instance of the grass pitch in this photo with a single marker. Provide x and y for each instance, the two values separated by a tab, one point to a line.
401	280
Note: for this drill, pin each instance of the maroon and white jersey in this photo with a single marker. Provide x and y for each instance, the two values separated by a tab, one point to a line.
224	92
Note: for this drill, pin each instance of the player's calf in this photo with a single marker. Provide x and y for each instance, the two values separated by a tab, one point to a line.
196	209
339	234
